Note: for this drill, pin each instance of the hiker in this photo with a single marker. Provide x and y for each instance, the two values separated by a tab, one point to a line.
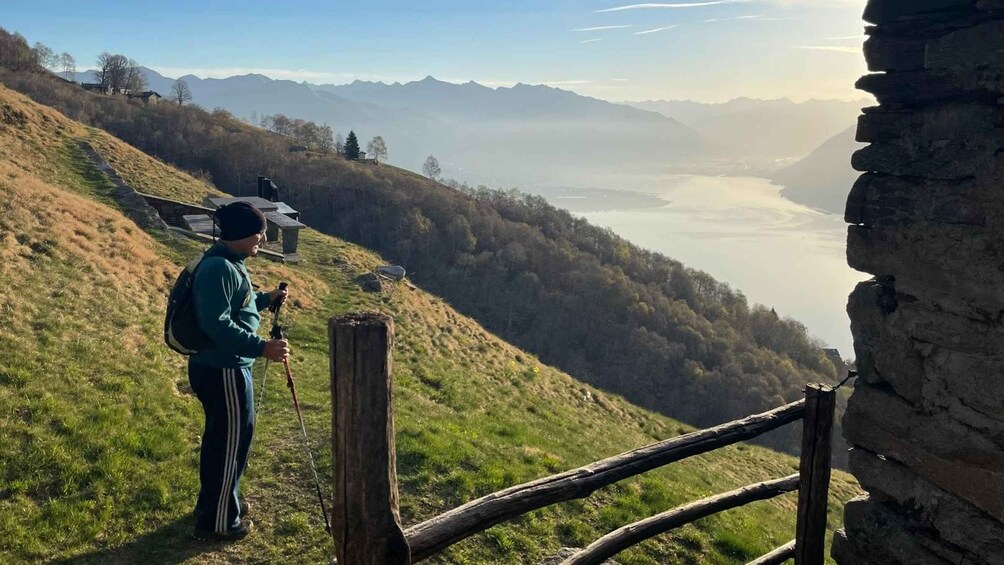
227	308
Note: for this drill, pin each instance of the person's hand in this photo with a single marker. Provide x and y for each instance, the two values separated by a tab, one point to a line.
276	350
277	294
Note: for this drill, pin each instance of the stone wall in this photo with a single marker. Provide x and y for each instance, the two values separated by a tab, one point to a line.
131	202
172	210
926	419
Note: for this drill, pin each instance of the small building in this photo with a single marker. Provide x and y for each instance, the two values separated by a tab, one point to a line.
96	87
148	97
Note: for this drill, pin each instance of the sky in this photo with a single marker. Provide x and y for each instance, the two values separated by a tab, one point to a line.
703	50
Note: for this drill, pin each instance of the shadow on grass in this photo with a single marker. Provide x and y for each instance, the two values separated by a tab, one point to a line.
171	543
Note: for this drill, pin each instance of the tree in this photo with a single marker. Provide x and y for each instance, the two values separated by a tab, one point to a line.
339	144
431	168
68	64
181	92
44	56
134	79
325	142
15	53
119	72
376	148
112	70
352	147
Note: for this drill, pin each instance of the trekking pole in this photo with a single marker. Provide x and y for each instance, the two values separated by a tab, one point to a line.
276	333
306	444
274	309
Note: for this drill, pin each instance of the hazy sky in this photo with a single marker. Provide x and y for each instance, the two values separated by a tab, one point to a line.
707	50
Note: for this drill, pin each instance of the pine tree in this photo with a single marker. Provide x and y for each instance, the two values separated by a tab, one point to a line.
352	147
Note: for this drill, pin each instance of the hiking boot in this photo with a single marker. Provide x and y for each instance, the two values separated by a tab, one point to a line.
242	529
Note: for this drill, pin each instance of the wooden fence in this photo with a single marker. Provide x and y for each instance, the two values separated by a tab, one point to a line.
366	523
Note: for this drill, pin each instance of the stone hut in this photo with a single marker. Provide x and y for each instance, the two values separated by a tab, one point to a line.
926	418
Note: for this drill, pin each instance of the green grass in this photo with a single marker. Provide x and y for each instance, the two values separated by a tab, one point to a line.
98	461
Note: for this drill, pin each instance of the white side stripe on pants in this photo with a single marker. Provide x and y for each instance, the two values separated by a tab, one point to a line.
230	457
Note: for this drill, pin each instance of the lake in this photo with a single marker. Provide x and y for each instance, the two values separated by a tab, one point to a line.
741	231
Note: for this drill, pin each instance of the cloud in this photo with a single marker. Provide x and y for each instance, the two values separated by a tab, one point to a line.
835	48
656	29
680	5
845	38
565	82
600	28
593	40
619	80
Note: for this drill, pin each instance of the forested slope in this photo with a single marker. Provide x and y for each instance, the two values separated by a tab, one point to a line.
631	321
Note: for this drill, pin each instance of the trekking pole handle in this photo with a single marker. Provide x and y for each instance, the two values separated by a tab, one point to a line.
274	307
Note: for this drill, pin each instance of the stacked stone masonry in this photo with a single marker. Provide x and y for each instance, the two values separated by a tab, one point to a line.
926	419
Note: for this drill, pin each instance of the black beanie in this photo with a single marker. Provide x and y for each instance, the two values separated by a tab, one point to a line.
238	220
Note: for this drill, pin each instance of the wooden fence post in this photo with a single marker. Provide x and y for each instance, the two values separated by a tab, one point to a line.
814	471
366	525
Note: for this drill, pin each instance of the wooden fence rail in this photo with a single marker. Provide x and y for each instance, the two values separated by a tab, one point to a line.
776	557
633	534
366	522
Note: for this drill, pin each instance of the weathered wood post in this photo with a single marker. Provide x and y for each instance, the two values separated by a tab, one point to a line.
366	525
814	471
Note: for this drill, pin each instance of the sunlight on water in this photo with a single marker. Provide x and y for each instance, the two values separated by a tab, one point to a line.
741	231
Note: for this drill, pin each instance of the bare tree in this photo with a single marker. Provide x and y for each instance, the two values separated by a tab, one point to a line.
119	72
134	79
325	140
376	148
45	56
431	168
339	144
111	71
68	64
181	92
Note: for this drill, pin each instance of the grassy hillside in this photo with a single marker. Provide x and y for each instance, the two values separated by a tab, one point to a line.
101	432
636	323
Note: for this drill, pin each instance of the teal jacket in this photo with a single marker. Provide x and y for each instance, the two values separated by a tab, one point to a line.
227	308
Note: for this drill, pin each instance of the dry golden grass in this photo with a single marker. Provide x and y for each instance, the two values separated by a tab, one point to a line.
148	174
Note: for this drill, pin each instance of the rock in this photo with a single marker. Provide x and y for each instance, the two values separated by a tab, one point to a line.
891	53
393	272
932	126
955	520
930	156
886	201
882	531
926	372
981	46
935	446
882	355
369	282
888	11
915	89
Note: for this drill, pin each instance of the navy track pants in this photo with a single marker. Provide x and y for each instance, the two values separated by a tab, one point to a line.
227	397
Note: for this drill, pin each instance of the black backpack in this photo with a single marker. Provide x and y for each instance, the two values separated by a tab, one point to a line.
181	327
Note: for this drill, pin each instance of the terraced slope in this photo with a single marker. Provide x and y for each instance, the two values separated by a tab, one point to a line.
98	461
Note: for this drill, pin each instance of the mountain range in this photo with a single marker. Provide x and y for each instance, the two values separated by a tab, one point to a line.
478	133
778	131
823	179
535	135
